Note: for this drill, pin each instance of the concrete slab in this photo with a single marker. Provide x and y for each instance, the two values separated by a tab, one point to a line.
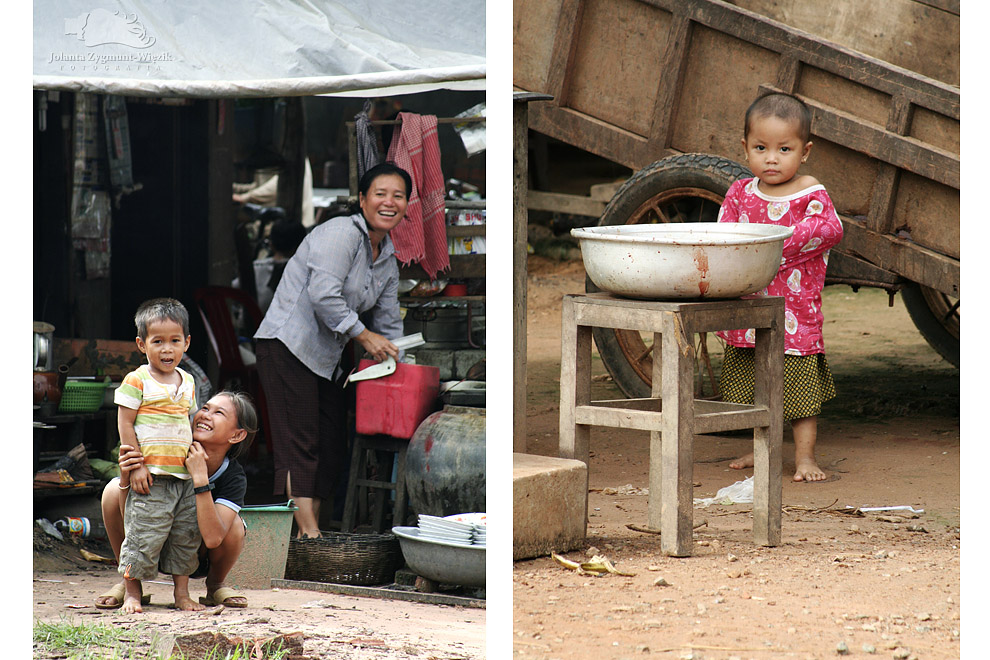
453	364
549	505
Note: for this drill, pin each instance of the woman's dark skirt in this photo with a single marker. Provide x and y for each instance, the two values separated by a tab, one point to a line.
308	418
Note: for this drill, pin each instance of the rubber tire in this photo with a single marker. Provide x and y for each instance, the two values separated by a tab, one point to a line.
928	323
704	171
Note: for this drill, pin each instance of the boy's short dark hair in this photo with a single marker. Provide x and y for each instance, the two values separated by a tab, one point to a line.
782	106
160	309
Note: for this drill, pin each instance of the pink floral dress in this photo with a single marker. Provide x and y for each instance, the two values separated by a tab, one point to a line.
802	268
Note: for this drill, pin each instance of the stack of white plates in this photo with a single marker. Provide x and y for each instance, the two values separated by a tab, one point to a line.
448	531
478	522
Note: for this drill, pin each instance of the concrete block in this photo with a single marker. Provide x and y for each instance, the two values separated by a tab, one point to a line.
465	359
453	364
549	505
442	359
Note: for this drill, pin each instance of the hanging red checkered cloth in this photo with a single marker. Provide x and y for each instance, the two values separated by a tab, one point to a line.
421	236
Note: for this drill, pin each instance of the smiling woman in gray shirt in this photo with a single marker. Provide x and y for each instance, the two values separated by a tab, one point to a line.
341	283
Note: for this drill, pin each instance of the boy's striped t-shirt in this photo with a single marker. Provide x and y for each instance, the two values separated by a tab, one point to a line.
162	424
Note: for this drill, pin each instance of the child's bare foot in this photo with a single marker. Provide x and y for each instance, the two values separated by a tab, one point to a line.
808	470
181	592
742	462
132	605
132	597
187	604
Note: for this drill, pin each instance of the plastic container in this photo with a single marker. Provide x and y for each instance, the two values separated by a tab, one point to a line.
81	527
266	546
396	404
82	397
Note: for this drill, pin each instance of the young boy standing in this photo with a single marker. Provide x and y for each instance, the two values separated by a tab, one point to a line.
153	406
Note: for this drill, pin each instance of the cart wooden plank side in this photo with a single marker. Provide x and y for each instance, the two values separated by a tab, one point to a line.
661	86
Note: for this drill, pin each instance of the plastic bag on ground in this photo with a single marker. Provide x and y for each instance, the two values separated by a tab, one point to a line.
740	492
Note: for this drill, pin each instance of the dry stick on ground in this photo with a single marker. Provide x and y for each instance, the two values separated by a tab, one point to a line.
825	509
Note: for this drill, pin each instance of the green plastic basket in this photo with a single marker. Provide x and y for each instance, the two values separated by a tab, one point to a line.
81	397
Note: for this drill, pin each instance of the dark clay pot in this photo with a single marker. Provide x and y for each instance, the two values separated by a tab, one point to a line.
47	387
445	463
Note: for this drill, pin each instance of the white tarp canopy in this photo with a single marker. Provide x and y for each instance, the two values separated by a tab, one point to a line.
253	48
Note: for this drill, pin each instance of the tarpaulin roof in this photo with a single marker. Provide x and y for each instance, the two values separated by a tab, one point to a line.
252	48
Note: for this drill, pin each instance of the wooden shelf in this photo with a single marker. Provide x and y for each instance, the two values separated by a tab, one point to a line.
440	299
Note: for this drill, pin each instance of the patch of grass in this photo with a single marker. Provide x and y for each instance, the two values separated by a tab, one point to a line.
97	641
86	641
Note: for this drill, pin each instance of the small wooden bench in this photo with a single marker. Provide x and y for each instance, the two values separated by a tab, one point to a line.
672	413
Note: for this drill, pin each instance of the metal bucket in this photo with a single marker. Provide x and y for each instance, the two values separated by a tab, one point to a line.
266	546
447	324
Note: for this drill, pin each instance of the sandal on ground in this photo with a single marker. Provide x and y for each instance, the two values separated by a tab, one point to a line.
221	597
118	593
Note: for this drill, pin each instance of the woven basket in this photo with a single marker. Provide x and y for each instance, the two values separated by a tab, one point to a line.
80	397
359	559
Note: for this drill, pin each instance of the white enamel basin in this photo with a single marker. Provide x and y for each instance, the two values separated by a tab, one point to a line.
689	260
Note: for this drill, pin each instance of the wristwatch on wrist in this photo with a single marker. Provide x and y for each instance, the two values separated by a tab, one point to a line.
203	489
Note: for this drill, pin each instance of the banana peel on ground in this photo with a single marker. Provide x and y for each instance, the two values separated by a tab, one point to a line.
597	565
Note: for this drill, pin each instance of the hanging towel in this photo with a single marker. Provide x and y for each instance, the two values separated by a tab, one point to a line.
367	144
422	235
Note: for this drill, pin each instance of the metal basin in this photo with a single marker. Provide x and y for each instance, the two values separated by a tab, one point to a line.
682	260
442	562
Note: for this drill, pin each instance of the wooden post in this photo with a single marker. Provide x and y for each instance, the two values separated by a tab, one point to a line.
520	227
677	453
575	383
520	215
290	179
767	440
575	389
653	508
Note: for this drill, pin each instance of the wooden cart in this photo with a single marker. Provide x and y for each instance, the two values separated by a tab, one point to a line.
661	86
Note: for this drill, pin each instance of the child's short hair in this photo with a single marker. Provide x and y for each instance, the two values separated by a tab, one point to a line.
160	309
782	106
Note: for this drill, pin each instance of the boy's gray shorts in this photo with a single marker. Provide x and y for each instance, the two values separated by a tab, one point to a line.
160	529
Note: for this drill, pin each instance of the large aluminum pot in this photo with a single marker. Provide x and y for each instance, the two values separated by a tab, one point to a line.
44	356
687	260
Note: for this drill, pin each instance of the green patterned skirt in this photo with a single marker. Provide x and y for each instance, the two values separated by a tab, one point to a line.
807	381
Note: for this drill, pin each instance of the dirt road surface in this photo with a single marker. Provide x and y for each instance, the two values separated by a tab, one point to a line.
883	585
334	626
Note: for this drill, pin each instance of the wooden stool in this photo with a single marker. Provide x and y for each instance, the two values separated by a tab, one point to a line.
357	482
671	502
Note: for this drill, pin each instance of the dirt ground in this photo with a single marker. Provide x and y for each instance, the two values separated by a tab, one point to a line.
334	626
876	584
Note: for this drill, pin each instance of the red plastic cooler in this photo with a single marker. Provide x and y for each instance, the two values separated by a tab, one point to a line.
396	404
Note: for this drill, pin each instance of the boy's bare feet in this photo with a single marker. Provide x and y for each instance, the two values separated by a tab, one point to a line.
742	462
181	592
187	604
132	597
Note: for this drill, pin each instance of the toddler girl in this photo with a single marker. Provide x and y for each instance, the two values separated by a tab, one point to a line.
776	143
